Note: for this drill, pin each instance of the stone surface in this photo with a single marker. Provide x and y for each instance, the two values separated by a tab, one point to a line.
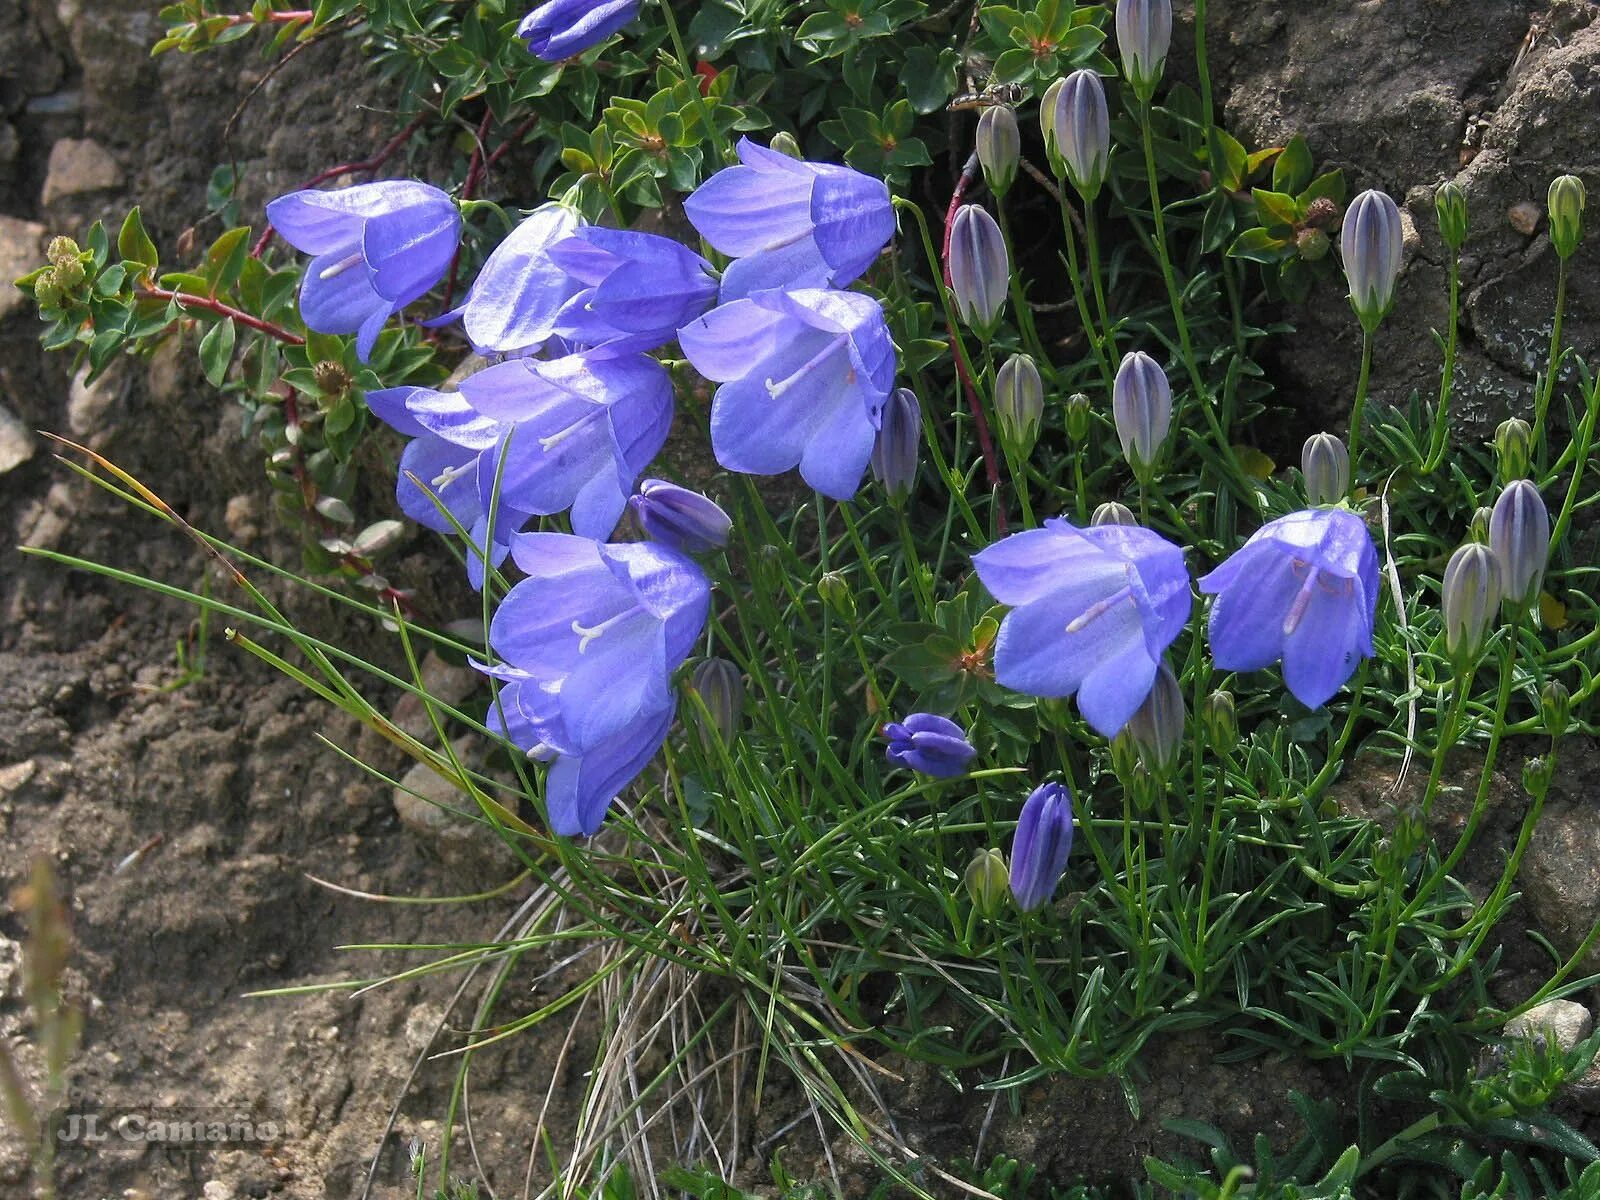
21	250
17	443
446	682
77	167
1565	1022
90	402
442	817
1561	875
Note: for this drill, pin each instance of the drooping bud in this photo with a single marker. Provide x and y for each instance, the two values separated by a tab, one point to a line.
999	146
1519	534
1219	719
1041	844
783	142
1144	31
1077	416
1113	512
1478	527
1450	204
1513	448
721	689
1141	406
1019	403
1077	131
894	451
1566	214
1372	244
980	268
1325	463
930	744
1470	600
987	881
1555	705
677	517
1157	726
836	594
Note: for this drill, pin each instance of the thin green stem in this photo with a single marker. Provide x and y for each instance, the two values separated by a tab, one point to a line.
1358	405
1079	296
687	74
1091	238
1547	387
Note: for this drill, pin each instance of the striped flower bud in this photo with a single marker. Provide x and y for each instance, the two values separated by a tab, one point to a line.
1141	406
1470	600
1372	244
987	880
1144	31
1219	719
1555	705
1019	402
1157	726
1040	847
721	689
1077	416
1325	463
1450	204
999	146
894	450
1077	131
1519	535
980	268
1113	512
1566	214
680	518
1513	448
1478	527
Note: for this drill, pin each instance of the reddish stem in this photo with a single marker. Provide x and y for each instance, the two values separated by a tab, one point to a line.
991	463
287	17
187	300
388	151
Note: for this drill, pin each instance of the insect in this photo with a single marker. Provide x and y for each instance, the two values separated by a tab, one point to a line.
1008	94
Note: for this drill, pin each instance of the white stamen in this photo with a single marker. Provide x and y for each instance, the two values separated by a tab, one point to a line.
776	389
340	267
588	634
1302	599
1095	611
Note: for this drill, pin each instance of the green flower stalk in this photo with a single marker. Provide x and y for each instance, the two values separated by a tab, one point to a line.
1450	206
1566	201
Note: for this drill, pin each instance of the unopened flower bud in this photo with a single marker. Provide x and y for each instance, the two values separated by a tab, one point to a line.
62	250
1513	448
1537	772
987	881
1077	416
331	378
677	517
1478	527
1372	243
721	689
1519	534
1325	463
999	146
1555	704
836	594
46	291
70	274
1470	600
1219	719
1113	512
1040	847
1077	131
783	142
1144	31
1019	403
1450	203
894	451
1141	406
980	268
1566	214
1157	725
1312	245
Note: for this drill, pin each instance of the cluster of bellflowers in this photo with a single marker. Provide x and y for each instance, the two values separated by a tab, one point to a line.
572	407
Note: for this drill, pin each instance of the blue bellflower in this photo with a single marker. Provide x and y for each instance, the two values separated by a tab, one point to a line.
1303	590
638	289
1093	609
791	224
376	247
439	469
804	379
679	518
931	744
560	29
573	432
1040	846
511	307
589	642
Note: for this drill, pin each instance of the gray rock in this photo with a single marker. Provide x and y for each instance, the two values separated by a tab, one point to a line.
77	167
17	443
1564	1022
1560	878
21	250
442	817
446	683
89	403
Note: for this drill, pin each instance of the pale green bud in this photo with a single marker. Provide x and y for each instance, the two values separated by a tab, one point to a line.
1566	214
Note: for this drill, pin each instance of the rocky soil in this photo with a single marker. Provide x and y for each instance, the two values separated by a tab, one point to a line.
184	822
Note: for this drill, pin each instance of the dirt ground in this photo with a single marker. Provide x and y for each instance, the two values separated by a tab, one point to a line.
185	822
